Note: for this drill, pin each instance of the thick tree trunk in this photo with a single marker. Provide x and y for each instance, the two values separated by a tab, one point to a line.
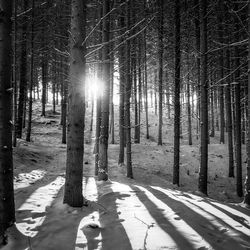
7	206
104	133
14	75
238	142
202	185
28	135
23	76
75	138
177	106
128	88
247	181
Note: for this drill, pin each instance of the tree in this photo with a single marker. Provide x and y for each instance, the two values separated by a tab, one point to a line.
104	133
238	142
128	87
7	206
23	73
177	106
160	70
121	52
75	137
204	100
247	181
31	72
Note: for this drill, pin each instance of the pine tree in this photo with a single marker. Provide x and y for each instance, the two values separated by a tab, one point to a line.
204	100
75	137
7	206
104	133
177	106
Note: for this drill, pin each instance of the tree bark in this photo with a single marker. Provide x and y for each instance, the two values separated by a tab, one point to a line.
202	184
23	76
104	133
127	97
28	135
247	181
160	69
177	106
7	206
75	138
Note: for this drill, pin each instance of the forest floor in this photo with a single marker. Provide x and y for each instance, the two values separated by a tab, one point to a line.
147	212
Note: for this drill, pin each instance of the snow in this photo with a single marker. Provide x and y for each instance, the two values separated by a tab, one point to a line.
147	212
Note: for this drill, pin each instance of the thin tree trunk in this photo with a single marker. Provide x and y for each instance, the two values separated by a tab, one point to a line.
44	84
122	95
127	98
160	69
221	72
189	105
146	82
98	99
112	113
229	120
198	62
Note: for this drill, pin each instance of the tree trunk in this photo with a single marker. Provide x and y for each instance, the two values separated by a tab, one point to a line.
189	105
14	75
247	181
75	138
177	106
239	187
122	25
31	74
104	133
160	69
202	186
221	71
98	99
23	76
128	96
198	62
146	82
229	120
7	206
44	83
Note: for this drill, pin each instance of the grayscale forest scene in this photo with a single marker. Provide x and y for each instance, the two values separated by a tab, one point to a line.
124	125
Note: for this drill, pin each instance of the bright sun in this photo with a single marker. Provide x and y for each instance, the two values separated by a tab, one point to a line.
94	86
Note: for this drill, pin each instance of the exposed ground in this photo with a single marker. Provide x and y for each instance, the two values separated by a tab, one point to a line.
147	212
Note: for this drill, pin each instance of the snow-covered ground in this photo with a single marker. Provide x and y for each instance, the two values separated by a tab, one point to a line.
147	212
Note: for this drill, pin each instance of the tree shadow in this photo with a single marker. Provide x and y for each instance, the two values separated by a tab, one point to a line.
235	217
210	232
162	221
24	193
112	230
